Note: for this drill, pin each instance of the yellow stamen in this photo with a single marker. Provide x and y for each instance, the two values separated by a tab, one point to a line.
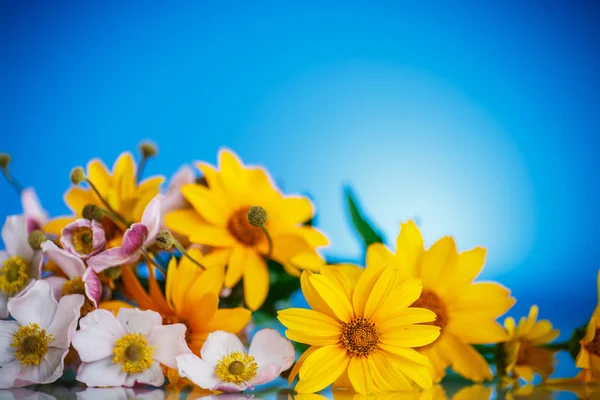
240	228
77	286
31	344
236	368
83	240
133	352
13	275
359	337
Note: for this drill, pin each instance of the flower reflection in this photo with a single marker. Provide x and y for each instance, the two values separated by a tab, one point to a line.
119	393
224	396
437	392
24	394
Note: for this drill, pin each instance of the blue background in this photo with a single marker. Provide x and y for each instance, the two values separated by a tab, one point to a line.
480	119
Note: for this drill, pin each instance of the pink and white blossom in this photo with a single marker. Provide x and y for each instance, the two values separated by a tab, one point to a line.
136	239
57	320
19	260
268	356
102	336
73	267
83	230
35	215
173	199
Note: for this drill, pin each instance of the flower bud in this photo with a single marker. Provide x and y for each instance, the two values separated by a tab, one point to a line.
148	149
164	240
77	175
257	216
35	239
4	160
92	212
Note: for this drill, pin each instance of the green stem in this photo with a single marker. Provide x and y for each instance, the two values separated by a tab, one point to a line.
184	252
13	182
557	346
140	170
153	262
106	203
484	349
264	229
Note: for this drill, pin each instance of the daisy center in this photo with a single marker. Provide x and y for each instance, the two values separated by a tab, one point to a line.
83	240
240	228
432	302
594	346
77	286
13	275
524	354
133	353
359	337
236	368
31	344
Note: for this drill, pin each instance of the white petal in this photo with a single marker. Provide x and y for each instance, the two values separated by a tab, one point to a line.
56	284
70	264
3	305
32	208
230	387
218	345
269	347
15	237
101	373
3	256
49	370
34	268
36	305
168	342
24	394
196	370
153	376
113	393
93	286
64	323
8	374
136	321
97	334
152	219
7	352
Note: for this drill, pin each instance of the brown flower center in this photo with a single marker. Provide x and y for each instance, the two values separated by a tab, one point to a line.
594	346
431	301
359	337
83	240
240	228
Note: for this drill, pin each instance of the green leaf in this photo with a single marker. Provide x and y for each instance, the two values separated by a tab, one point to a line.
363	226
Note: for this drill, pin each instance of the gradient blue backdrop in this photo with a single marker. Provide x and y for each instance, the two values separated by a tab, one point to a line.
481	120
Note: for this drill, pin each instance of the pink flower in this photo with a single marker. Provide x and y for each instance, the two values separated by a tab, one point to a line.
225	365
20	265
127	349
34	345
83	237
138	237
35	215
174	200
82	279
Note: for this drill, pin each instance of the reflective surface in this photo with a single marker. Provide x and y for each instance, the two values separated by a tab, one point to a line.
450	391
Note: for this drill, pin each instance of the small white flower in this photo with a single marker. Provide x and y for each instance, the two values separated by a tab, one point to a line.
225	365
127	349
34	345
20	265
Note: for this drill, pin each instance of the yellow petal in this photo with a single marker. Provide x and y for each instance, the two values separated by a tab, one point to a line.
403	296
229	320
525	372
232	172
409	336
310	339
197	318
207	204
365	285
379	254
56	226
236	265
465	359
331	292
409	248
321	369
314	300
476	330
209	281
256	280
439	262
313	236
184	221
359	373
310	322
134	288
469	265
124	180
386	376
483	298
114	305
99	175
296	368
345	274
419	373
407	316
473	392
77	198
343	382
212	236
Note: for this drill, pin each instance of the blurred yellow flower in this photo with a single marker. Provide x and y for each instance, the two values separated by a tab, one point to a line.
120	190
218	219
466	311
524	355
361	331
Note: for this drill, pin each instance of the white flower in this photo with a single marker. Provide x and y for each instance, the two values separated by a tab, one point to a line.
225	365
35	215
127	349
34	345
24	394
20	265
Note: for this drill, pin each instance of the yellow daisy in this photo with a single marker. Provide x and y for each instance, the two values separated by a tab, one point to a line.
466	311
361	331
524	355
120	189
219	219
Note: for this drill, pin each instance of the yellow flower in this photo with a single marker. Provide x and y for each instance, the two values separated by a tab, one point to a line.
120	189
524	355
218	219
466	311
361	331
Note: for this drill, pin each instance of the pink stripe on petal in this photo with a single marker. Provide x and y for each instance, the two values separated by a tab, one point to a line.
93	286
152	219
134	238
